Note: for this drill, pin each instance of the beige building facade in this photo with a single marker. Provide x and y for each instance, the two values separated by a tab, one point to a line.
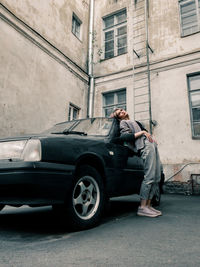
43	70
145	57
159	71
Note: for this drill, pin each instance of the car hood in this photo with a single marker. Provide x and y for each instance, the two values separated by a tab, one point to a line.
22	137
41	136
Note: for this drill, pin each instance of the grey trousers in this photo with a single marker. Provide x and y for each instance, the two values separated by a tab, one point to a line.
152	171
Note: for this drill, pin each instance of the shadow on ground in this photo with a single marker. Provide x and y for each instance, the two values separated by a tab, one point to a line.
43	221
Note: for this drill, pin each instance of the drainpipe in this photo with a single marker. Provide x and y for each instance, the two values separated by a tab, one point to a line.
148	65
90	61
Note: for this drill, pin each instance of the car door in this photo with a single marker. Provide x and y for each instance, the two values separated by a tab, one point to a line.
127	170
127	167
134	172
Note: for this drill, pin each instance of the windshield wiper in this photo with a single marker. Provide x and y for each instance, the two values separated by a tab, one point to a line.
74	132
70	132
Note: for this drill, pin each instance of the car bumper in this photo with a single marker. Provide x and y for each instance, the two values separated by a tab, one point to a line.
34	183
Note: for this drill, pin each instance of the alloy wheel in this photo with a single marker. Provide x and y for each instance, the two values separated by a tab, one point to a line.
86	197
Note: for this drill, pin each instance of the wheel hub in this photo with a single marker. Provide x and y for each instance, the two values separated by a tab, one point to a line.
86	197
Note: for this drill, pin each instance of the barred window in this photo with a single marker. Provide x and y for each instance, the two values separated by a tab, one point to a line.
194	98
115	34
190	16
112	100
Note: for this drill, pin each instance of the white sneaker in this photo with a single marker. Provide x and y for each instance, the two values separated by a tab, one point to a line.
156	211
145	211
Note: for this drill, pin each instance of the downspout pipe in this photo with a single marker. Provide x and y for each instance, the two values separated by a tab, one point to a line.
148	64
90	61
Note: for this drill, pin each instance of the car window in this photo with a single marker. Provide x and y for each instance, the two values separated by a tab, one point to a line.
94	126
60	127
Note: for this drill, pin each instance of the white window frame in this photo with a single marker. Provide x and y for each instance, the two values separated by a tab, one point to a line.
76	26
191	28
72	110
115	104
190	91
116	37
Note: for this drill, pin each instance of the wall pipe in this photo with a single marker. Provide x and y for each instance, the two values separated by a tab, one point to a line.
148	64
90	61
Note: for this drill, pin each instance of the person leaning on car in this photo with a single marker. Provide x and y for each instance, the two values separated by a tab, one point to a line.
142	142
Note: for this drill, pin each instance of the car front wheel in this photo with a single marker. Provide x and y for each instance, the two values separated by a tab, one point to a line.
87	201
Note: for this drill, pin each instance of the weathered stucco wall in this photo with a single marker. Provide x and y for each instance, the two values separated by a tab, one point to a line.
119	63
112	83
170	108
53	20
36	82
172	59
165	31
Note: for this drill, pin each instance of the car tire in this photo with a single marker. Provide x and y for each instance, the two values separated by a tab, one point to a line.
87	200
1	206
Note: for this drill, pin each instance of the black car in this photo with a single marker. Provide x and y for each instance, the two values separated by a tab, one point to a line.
75	166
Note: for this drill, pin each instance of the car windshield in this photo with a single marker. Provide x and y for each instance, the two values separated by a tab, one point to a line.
93	126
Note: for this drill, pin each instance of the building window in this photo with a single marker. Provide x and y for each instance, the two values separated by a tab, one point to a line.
115	34
190	16
194	97
112	100
73	112
76	26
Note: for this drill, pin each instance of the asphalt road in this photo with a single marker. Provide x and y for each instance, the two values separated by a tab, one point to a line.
34	237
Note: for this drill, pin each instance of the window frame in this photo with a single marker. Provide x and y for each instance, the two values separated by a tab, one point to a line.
115	104
197	4
116	37
190	103
76	20
71	109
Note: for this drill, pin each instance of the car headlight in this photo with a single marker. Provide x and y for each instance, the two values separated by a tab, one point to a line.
26	150
32	151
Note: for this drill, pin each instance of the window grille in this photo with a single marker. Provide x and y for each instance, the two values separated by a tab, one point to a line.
190	16
115	34
194	98
112	100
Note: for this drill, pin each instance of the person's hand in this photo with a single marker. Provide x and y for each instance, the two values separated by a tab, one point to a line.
148	136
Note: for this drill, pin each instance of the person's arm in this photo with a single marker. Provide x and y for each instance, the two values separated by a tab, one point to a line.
144	132
124	128
126	134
